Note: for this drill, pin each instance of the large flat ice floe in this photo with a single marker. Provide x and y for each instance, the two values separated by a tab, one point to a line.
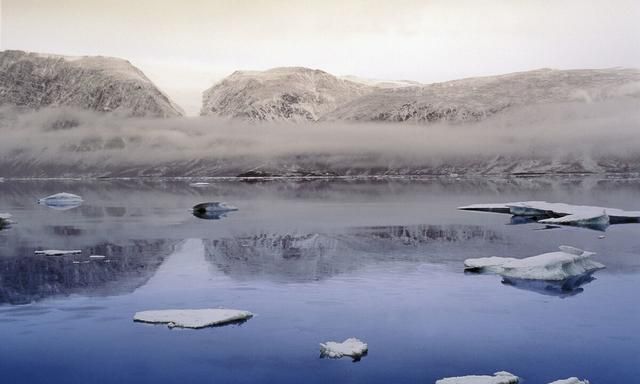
500	378
497	378
560	213
192	318
568	262
351	347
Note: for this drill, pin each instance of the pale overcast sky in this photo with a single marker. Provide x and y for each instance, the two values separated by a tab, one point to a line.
185	46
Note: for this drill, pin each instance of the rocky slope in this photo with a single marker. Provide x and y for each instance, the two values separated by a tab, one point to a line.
309	95
103	84
291	93
474	99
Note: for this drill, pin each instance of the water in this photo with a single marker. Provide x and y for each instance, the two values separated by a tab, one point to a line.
315	261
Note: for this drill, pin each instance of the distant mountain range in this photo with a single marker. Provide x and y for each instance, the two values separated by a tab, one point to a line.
298	94
302	94
537	122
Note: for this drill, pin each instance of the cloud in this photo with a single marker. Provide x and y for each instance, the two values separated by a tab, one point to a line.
107	142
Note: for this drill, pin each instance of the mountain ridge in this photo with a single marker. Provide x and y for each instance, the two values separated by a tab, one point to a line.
98	83
270	96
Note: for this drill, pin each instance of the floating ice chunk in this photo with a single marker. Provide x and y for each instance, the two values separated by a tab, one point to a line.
57	252
497	378
212	211
571	380
192	318
5	220
199	184
97	257
214	207
561	265
351	347
497	207
591	219
63	199
558	210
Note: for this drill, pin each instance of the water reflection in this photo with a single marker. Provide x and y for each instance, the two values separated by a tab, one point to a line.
563	288
314	256
25	278
63	207
209	215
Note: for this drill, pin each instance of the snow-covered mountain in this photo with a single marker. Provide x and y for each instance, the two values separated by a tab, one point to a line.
474	99
104	84
290	93
301	94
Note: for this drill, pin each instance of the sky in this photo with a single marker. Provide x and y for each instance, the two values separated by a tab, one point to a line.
186	46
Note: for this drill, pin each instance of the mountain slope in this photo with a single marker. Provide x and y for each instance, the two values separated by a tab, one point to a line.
474	99
291	93
98	83
301	94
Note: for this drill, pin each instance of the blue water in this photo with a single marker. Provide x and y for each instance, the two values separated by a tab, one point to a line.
315	261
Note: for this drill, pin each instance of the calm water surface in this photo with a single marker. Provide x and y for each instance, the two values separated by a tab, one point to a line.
315	261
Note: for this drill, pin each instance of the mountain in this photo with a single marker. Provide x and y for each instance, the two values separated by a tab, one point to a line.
474	99
104	84
301	94
291	93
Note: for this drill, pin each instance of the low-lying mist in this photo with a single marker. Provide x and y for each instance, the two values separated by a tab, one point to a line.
95	143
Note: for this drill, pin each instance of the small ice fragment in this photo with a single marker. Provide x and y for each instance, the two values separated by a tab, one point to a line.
569	262
212	211
97	257
497	378
351	347
57	252
602	237
5	220
214	207
199	184
61	199
571	380
192	318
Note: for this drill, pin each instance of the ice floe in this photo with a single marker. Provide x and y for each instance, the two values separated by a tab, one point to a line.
560	265
199	184
97	257
497	378
213	210
5	220
351	347
192	318
571	380
57	252
560	213
61	200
